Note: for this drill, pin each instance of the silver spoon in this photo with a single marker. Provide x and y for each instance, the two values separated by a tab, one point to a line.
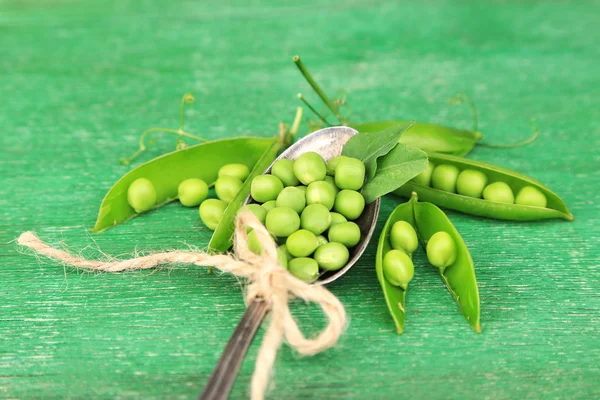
328	143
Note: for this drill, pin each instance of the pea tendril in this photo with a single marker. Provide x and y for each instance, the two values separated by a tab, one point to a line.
531	139
314	111
187	98
461	98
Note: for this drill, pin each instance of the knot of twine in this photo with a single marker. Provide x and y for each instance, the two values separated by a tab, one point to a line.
267	280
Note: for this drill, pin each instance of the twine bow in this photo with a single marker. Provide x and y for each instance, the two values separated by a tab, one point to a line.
266	280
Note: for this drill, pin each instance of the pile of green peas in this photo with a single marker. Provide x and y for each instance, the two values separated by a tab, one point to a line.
398	267
474	183
193	192
309	206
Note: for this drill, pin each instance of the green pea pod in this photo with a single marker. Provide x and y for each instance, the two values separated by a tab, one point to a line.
222	238
460	276
555	208
429	137
395	296
166	172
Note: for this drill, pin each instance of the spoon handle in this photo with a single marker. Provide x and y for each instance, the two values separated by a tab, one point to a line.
221	381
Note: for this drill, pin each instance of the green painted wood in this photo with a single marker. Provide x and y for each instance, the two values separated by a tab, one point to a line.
79	80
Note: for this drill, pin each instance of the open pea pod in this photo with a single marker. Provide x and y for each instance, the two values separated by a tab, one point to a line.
555	208
429	137
460	276
166	172
395	296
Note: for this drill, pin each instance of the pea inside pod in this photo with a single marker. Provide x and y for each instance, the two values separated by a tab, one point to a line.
536	202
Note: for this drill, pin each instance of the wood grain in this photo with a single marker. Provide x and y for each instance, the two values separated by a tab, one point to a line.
80	80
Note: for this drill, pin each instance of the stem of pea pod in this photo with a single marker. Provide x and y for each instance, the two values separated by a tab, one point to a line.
187	98
311	81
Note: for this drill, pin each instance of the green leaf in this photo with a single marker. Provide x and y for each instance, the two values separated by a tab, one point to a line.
395	169
369	146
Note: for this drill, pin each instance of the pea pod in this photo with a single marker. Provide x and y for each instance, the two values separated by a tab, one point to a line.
555	208
460	276
427	219
166	172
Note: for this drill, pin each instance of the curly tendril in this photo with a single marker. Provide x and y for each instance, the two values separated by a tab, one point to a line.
461	98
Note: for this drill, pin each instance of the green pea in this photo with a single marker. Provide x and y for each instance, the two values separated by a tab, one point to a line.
253	243
265	188
332	256
141	195
304	268
283	250
350	174
269	205
227	187
192	192
310	167
282	256
336	218
321	240
349	203
471	183
404	237
441	250
301	243
444	178
284	170
293	198
302	188
531	196
282	221
315	218
331	181
499	192
332	164
424	178
211	212
398	268
346	233
240	171
255	209
320	192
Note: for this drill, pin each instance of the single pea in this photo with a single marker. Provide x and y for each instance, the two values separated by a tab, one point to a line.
301	243
211	212
192	192
303	188
499	192
320	192
141	195
398	268
350	174
346	233
269	205
531	196
265	188
253	243
227	187
336	218
471	183
331	181
304	268
255	209
240	171
284	170
444	178
293	198
309	167
349	203
403	237
424	178
282	256
441	250
282	221
321	240
332	164
332	256
315	218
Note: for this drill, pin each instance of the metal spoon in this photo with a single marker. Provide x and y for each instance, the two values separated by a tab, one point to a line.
328	143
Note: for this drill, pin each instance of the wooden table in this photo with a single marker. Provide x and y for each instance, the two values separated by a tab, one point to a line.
80	80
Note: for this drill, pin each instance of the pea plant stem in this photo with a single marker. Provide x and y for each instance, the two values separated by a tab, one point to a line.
314	111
